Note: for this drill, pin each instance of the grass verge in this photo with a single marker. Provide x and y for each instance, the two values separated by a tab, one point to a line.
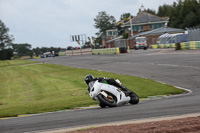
37	88
4	63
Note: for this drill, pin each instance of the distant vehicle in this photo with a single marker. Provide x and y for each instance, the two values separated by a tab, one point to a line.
47	54
69	48
141	43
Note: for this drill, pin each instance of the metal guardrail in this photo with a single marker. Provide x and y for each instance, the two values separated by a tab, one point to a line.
194	34
120	43
76	52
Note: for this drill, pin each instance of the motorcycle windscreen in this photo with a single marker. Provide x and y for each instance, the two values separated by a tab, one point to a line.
91	84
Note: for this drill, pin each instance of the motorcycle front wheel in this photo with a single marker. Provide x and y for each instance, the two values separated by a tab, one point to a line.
105	101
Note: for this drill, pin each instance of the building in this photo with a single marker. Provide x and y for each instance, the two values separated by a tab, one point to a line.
110	35
153	35
143	22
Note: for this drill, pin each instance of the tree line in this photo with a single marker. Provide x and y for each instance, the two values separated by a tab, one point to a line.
182	14
8	49
25	49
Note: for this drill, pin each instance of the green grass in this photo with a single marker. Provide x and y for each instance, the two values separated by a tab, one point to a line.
37	88
4	63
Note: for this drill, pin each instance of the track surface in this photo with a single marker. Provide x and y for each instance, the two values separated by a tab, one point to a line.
180	68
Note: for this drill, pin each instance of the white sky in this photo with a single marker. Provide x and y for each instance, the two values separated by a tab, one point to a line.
46	23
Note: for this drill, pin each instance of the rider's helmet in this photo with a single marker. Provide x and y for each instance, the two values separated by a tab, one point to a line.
88	78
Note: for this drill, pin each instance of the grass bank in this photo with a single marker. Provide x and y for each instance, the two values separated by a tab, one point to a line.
37	88
5	63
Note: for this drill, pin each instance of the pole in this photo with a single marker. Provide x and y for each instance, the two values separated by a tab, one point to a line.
131	26
81	46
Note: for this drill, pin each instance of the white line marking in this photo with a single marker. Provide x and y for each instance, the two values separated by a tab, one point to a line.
172	65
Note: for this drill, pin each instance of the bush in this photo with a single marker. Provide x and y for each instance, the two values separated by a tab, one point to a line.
6	54
16	57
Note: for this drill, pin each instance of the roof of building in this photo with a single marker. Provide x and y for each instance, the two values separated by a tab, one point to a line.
145	17
117	38
157	31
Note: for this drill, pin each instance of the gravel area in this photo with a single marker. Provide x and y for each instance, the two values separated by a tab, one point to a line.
184	125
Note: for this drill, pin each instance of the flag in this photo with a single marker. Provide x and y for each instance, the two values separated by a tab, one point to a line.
89	41
126	18
120	22
123	20
93	41
78	42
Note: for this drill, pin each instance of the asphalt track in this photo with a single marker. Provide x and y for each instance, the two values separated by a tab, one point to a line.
176	68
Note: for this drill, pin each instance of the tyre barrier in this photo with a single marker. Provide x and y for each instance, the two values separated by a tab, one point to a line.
62	54
190	45
171	45
183	45
106	51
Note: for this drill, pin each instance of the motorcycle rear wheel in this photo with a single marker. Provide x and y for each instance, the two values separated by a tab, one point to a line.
134	98
102	105
105	102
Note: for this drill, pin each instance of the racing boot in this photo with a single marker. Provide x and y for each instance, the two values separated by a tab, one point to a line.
126	91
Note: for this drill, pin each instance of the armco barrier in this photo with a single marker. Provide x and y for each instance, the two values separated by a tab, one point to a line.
106	51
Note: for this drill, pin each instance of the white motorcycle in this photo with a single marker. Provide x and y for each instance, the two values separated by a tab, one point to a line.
109	95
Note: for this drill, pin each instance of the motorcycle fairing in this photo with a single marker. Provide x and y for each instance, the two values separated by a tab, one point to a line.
100	87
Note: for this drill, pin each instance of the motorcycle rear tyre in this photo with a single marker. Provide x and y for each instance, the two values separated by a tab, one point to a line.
105	102
134	98
102	105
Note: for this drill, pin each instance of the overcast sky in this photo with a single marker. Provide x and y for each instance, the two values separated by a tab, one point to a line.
46	23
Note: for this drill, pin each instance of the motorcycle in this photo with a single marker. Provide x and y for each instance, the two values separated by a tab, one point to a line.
109	95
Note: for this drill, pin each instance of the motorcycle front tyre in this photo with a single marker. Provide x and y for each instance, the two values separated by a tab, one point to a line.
105	102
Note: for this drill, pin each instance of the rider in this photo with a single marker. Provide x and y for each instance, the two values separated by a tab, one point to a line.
111	81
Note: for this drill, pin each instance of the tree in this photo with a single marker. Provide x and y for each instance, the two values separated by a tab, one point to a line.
5	42
187	21
36	51
183	13
164	11
6	54
5	38
151	11
22	49
125	15
103	22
